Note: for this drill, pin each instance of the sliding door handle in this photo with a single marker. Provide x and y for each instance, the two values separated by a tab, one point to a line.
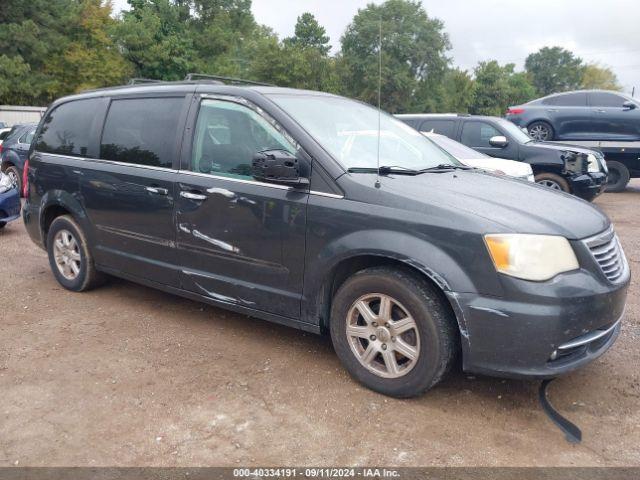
157	190
193	196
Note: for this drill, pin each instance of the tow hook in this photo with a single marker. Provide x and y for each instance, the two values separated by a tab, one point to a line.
571	432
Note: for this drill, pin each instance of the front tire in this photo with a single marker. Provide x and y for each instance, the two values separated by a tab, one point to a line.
552	181
393	332
618	177
541	131
69	256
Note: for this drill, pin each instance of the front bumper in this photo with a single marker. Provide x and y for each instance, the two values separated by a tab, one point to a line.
541	329
9	206
588	185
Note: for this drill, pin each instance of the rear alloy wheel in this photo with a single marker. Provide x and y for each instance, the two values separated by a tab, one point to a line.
14	174
392	331
552	181
69	256
541	131
618	177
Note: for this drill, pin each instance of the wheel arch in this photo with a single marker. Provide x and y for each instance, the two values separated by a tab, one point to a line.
56	203
428	262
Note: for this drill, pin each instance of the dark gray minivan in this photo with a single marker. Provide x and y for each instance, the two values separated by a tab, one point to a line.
287	205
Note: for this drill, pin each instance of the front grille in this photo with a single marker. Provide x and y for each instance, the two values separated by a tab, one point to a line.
607	252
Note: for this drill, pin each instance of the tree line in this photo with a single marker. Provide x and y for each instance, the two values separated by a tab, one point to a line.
51	48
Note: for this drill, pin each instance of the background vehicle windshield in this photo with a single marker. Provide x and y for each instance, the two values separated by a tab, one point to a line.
348	130
457	149
516	132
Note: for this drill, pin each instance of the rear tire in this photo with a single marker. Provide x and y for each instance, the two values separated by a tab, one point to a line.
69	256
402	350
618	177
14	173
541	131
2	225
552	181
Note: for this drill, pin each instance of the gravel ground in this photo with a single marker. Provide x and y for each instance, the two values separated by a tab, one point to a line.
129	376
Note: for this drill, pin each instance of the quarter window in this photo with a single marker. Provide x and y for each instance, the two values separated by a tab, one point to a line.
228	135
443	127
478	134
68	128
602	99
141	131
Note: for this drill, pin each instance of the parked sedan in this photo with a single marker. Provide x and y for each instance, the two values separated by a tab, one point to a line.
473	158
14	151
9	200
579	115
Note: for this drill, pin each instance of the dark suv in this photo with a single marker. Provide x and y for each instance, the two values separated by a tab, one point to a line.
570	168
579	115
283	204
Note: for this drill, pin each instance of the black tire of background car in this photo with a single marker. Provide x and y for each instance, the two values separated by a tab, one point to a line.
545	125
15	173
2	225
561	182
88	277
436	323
618	177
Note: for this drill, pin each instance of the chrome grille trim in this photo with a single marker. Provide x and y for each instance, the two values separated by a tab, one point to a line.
606	250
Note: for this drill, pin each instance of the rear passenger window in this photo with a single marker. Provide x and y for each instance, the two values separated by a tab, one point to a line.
141	131
27	137
443	127
578	99
67	129
478	134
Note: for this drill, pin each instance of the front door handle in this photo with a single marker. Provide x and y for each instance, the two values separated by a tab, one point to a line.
600	111
157	190
193	196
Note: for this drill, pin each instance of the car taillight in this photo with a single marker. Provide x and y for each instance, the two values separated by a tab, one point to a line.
0	149
515	111
25	178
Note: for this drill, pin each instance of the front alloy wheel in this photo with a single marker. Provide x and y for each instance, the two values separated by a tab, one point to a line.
393	331
383	335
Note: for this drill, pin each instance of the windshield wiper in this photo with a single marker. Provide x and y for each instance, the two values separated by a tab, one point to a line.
385	170
445	166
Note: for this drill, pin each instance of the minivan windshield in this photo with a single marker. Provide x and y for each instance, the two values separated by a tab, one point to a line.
348	130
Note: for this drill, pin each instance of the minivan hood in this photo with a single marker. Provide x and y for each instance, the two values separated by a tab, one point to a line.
517	206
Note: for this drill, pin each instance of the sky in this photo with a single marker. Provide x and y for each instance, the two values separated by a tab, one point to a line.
600	31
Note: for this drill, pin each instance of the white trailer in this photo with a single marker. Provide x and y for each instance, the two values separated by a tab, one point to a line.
12	115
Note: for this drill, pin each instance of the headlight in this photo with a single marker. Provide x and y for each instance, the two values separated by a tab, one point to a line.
6	183
592	163
531	257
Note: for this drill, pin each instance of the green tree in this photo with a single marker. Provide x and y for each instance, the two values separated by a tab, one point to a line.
554	69
458	89
413	55
91	58
310	34
496	87
597	77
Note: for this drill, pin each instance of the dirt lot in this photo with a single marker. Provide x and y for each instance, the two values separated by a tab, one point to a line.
126	375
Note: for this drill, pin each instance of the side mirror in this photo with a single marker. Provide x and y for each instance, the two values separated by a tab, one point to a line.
629	105
498	141
277	166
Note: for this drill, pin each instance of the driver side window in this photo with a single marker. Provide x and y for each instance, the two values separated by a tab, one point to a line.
227	137
478	134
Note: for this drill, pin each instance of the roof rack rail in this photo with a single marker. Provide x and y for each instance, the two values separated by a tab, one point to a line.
135	81
228	80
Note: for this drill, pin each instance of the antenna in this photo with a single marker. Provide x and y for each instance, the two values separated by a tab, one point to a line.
377	184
